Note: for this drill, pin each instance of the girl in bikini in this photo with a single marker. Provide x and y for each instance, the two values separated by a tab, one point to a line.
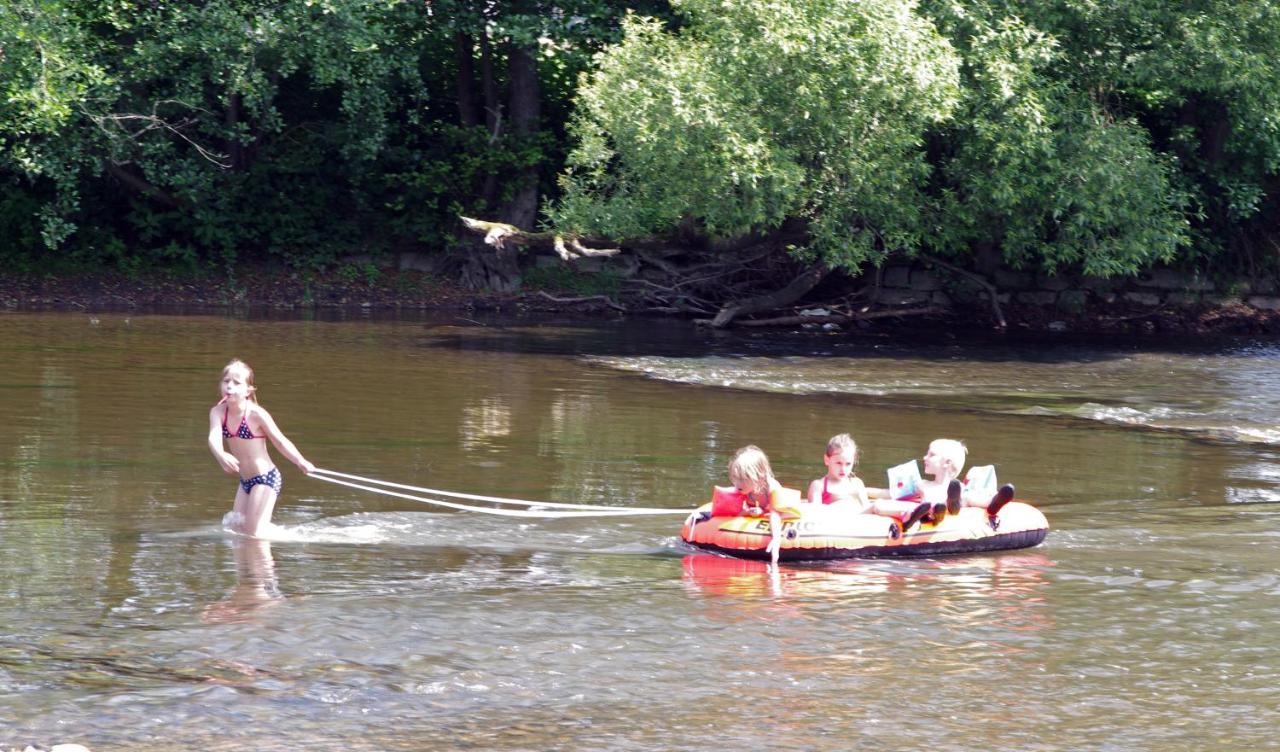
840	485
245	426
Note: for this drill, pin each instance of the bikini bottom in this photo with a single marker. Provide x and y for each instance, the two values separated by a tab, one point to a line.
270	478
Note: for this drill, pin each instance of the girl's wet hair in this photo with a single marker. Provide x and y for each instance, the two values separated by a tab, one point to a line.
841	442
749	468
239	365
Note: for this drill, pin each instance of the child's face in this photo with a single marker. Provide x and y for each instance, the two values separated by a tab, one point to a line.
235	385
935	463
840	464
757	490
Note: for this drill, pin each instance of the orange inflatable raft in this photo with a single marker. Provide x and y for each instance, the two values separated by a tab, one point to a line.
817	531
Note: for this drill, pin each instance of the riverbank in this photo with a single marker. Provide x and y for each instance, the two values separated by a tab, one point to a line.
352	288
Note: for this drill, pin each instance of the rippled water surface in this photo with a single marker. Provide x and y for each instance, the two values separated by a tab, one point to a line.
129	619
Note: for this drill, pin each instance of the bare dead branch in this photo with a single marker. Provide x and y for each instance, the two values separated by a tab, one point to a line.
979	280
585	299
890	313
803	283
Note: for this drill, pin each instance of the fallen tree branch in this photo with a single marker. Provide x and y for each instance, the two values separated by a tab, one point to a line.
980	281
796	289
499	234
589	298
841	318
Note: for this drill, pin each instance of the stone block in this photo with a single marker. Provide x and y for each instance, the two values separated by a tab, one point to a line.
941	299
1168	279
1183	299
1038	297
1055	282
1099	284
1072	301
1265	302
902	297
1143	298
896	276
924	281
1012	280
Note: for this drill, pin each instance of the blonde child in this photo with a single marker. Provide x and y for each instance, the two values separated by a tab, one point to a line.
944	461
840	484
260	481
752	476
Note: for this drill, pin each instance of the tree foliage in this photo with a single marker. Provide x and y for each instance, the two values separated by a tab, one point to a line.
759	112
1045	134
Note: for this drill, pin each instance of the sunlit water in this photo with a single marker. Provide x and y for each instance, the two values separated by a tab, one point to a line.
132	620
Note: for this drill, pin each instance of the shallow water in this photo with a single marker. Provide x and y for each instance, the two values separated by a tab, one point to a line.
372	623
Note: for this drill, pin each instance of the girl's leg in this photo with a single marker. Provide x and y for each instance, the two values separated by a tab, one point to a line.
254	508
906	512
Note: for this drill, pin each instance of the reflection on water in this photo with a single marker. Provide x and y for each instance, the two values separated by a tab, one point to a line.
133	621
256	587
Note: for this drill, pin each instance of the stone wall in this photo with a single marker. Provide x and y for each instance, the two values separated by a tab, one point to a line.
921	285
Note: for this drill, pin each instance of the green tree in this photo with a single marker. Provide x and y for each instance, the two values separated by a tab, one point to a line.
754	113
1037	170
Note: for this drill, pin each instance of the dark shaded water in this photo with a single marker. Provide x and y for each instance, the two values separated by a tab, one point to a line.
131	620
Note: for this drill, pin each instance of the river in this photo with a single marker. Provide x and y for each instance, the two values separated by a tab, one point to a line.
131	620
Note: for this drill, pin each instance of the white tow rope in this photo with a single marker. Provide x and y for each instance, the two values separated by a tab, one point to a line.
574	510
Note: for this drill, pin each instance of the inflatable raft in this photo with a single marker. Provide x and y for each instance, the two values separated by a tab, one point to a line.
816	531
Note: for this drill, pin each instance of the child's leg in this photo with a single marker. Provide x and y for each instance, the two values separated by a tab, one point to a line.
1002	497
893	508
907	512
254	509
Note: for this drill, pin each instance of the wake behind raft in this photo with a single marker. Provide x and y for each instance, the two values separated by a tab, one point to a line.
817	531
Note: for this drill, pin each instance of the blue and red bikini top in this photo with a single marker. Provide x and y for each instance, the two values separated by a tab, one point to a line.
243	431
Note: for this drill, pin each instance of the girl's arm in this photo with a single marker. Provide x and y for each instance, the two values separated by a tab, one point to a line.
227	460
860	491
815	492
775	540
282	442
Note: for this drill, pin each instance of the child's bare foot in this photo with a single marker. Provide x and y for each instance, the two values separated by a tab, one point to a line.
953	496
1002	497
916	515
938	513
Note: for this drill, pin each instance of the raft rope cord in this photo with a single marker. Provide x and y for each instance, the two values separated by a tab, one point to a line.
576	510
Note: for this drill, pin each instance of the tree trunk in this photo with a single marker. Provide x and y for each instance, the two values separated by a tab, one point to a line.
235	149
806	281
525	111
492	117
468	106
502	268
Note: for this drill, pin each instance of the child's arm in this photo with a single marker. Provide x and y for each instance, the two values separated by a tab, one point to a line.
815	492
876	493
860	491
227	460
282	442
775	530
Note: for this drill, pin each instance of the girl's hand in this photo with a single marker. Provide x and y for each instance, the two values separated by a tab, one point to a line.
230	465
306	466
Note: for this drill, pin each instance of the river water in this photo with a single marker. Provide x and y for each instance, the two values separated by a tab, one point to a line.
130	620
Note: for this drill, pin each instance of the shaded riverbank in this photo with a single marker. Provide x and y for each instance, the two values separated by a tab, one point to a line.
356	288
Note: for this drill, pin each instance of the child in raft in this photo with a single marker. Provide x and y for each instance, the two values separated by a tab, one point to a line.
758	494
841	486
260	481
944	493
